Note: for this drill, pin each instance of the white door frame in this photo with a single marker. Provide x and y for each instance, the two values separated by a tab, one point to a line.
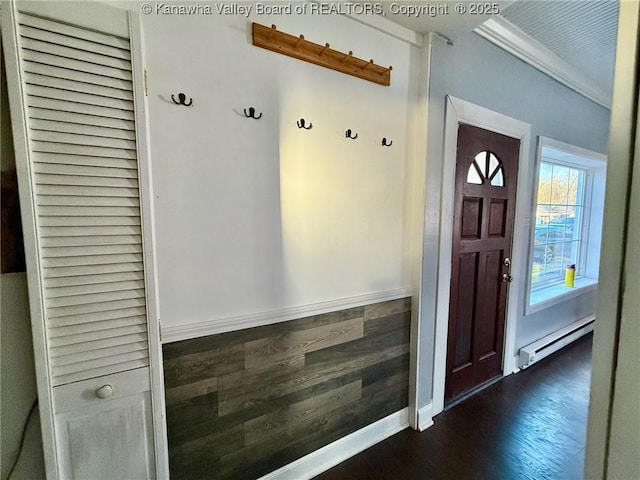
460	111
149	247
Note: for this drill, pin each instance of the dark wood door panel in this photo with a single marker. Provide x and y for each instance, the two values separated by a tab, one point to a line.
486	176
471	218
465	311
497	217
488	321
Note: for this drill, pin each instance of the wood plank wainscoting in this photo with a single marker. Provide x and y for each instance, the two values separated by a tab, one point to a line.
242	404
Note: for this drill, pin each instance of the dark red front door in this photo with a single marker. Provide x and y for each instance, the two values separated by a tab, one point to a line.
485	192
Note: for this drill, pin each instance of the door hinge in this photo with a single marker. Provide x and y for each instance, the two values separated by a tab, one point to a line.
160	329
146	84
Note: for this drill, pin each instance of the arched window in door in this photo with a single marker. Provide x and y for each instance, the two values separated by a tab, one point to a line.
486	167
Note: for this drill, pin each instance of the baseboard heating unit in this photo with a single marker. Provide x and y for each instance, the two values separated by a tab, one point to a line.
554	341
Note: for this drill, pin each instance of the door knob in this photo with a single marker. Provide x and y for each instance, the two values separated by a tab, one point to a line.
506	277
507	262
104	392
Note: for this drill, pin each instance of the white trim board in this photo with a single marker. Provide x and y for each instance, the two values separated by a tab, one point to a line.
510	38
331	455
460	111
425	417
149	238
240	322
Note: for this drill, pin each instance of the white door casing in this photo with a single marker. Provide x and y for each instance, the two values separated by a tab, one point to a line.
460	111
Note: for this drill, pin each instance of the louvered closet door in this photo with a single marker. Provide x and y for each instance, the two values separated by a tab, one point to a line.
78	86
81	157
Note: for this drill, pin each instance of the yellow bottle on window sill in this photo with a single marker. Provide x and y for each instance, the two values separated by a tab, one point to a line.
570	276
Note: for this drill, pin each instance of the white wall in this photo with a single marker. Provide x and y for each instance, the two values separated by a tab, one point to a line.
255	216
613	431
17	379
17	371
478	72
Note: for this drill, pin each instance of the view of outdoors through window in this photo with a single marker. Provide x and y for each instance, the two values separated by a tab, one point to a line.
559	210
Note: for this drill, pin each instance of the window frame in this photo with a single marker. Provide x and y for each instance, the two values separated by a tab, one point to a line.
559	153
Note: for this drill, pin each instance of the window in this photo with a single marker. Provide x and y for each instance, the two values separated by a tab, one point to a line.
486	167
568	222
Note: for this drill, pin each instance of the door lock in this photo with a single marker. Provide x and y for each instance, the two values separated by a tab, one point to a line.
506	277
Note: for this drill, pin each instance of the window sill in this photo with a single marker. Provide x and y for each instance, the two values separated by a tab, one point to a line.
557	293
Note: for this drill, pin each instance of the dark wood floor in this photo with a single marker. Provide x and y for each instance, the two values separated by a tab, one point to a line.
527	426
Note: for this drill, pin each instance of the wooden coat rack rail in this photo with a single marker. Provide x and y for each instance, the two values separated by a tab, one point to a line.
298	47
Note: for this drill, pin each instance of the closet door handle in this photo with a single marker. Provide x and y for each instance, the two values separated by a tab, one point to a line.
104	392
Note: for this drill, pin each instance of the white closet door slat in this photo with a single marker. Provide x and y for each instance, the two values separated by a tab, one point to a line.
92	269
98	317
74	353
86	250
72	331
57	126
65	52
99	372
74	32
92	298
74	42
77	226
78	65
75	107
85	170
95	280
81	338
47	179
65	85
76	76
91	242
96	307
81	191
110	357
48	91
98	230
70	200
74	211
81	150
75	290
82	118
93	260
83	140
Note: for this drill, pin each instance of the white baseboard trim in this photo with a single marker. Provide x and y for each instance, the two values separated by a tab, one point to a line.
331	455
174	333
425	417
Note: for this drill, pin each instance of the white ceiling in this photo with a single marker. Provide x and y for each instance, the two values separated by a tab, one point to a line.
580	32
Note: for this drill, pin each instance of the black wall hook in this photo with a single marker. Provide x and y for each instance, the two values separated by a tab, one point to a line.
348	134
182	100
252	113
384	142
301	123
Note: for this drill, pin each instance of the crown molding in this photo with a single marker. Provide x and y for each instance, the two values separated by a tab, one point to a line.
510	38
